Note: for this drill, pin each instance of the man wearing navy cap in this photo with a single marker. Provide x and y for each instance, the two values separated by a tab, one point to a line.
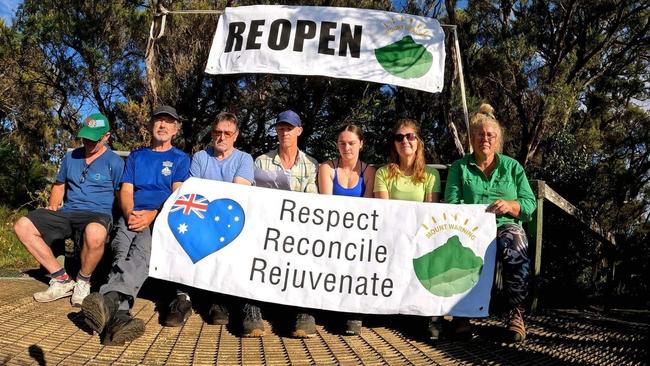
85	185
150	176
291	169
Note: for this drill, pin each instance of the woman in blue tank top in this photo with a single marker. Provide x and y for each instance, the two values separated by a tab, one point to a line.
348	176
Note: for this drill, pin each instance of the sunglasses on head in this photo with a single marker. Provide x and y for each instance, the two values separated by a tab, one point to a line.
398	137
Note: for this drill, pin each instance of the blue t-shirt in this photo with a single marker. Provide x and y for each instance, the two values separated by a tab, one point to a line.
90	187
237	164
152	174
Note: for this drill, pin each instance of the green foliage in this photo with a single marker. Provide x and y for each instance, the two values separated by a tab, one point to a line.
12	253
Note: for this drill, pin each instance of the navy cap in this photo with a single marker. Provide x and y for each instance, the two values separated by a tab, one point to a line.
289	117
165	109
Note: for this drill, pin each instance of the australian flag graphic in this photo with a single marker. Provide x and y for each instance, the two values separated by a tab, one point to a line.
203	227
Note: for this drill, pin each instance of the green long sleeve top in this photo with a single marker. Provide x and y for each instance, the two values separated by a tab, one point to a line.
466	183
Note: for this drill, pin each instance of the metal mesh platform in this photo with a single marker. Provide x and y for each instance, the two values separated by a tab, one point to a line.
52	334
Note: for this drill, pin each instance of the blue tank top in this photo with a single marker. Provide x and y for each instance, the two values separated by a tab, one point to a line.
356	191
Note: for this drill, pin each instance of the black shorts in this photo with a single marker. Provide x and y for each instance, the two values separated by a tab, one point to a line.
55	225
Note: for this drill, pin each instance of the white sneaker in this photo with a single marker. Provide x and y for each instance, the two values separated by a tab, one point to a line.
56	291
80	292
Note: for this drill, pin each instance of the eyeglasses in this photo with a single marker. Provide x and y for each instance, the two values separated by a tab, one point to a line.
225	134
486	136
398	137
84	173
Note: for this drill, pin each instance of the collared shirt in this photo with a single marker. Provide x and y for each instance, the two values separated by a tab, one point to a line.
301	176
466	183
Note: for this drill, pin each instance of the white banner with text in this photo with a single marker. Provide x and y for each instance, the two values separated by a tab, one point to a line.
360	44
355	255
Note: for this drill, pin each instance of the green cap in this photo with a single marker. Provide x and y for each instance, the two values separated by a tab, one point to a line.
94	127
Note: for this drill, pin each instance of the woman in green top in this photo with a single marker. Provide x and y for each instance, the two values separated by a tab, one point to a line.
488	177
407	177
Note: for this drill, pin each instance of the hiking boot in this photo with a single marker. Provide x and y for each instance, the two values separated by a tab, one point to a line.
252	325
57	290
516	326
353	326
305	326
179	310
434	329
218	315
122	328
98	309
81	290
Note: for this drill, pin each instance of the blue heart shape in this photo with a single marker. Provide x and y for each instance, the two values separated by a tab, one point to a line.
203	227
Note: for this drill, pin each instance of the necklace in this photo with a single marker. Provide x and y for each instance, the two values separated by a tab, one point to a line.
348	174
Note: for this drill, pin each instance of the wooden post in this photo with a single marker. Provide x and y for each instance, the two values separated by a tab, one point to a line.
535	243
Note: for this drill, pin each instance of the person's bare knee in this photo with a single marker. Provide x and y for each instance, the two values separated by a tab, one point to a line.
25	228
95	236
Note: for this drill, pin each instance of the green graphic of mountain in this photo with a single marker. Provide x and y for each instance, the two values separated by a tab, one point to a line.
449	269
405	58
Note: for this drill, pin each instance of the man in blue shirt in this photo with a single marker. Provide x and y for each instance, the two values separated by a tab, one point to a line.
88	178
222	162
150	176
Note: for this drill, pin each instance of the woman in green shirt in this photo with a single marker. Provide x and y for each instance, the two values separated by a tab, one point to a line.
407	177
488	177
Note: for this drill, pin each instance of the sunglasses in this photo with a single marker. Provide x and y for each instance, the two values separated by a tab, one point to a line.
398	137
84	174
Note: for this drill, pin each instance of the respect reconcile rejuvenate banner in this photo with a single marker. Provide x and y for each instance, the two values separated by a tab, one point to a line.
360	44
328	252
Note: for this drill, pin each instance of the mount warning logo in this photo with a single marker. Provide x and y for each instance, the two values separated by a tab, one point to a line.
405	58
451	268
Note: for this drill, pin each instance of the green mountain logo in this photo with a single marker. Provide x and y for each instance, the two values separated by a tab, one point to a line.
405	58
449	269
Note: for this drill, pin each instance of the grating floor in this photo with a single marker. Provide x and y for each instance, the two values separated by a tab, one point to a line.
53	334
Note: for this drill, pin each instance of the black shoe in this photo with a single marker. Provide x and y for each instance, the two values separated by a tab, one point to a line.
218	314
353	326
434	329
461	329
179	310
252	325
305	326
98	309
122	328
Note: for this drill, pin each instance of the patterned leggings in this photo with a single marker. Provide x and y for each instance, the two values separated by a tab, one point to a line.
512	251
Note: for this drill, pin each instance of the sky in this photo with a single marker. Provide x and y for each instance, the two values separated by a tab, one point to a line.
8	9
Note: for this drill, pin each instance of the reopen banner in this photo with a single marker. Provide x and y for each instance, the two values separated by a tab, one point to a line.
361	44
355	255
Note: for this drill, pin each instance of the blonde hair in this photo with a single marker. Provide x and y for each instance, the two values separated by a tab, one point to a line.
486	115
393	159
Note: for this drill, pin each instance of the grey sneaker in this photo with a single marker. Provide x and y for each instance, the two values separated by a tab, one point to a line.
57	290
353	326
253	325
434	329
305	326
81	290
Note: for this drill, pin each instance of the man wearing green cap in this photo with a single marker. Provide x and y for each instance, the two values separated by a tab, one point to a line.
87	179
